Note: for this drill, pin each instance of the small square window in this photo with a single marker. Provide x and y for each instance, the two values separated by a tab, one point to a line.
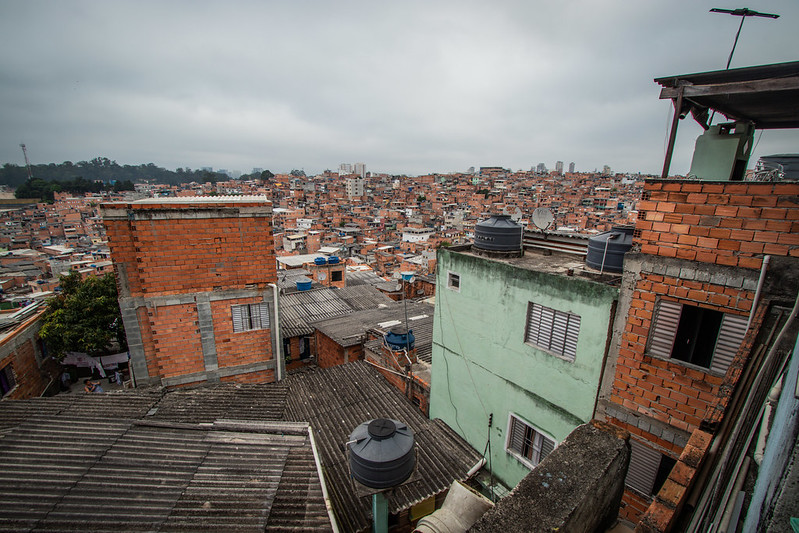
336	275
453	281
526	443
250	316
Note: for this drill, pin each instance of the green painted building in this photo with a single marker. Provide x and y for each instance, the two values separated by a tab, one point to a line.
520	344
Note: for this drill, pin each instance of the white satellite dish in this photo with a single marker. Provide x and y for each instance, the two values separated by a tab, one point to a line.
543	218
322	276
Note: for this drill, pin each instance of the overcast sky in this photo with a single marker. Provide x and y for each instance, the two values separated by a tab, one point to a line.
405	87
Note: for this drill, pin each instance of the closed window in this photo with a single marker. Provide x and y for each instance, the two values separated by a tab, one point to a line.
552	330
250	316
526	443
7	380
696	335
453	281
648	469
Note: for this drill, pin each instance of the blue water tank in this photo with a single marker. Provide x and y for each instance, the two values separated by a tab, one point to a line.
333	260
397	339
382	453
320	261
304	284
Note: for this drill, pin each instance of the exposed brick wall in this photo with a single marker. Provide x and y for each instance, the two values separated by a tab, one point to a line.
330	353
723	223
662	513
180	267
19	350
176	340
182	254
243	347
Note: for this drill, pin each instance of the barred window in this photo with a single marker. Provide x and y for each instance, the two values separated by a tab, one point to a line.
250	316
526	443
552	330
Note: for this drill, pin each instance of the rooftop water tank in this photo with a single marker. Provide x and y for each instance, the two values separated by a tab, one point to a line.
397	339
320	261
333	260
304	284
382	453
498	234
606	250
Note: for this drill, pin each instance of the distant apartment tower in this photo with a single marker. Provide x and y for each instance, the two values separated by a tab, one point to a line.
541	168
360	169
571	167
355	187
196	279
344	169
559	167
606	170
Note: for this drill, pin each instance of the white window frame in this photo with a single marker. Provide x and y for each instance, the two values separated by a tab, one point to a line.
553	331
532	439
663	332
249	317
457	278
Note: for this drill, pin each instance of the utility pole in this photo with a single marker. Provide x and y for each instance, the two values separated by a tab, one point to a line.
27	163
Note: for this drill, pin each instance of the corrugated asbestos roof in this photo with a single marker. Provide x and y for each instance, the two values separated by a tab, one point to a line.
85	463
345	330
336	400
363	297
298	309
422	329
364	277
224	457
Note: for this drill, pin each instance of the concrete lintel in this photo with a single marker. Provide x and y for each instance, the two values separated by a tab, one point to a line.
215	375
192	297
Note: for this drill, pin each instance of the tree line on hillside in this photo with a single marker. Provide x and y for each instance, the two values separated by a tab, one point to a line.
43	189
105	170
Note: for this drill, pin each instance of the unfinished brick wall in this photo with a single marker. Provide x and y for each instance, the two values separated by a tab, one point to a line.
19	350
724	223
701	244
181	265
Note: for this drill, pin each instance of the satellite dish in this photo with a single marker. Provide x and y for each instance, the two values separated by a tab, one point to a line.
322	276
398	287
543	218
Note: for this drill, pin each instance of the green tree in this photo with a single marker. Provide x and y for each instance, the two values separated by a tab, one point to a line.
84	317
267	175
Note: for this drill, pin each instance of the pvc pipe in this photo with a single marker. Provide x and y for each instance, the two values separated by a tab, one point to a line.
773	397
280	363
760	281
476	468
728	512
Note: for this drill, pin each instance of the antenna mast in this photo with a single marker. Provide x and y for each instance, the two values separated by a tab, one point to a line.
27	163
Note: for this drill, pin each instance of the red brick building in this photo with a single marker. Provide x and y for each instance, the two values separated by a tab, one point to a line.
692	319
197	290
21	356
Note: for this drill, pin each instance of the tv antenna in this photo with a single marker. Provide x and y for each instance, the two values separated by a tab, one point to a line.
742	12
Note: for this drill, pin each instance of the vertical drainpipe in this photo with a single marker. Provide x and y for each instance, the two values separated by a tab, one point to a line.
280	363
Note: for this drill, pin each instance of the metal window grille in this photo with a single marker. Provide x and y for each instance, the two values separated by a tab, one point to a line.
553	330
527	443
250	316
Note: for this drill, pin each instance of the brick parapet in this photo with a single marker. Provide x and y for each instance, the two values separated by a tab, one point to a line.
665	508
724	223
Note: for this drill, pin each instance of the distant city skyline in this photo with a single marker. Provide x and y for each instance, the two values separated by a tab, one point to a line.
408	89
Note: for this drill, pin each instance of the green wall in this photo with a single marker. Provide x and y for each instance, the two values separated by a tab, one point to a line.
482	365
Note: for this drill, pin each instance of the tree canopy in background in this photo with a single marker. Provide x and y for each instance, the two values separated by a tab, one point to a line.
105	170
84	317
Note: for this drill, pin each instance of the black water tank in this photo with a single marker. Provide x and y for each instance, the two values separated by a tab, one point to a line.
609	248
498	234
382	453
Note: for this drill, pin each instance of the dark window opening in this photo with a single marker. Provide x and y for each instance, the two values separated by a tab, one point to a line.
336	275
696	336
665	468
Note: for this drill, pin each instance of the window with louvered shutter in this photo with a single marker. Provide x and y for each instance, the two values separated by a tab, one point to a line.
552	330
250	316
648	468
696	335
526	443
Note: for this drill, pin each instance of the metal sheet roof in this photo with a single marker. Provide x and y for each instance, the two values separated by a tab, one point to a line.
299	309
346	330
767	95
363	297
